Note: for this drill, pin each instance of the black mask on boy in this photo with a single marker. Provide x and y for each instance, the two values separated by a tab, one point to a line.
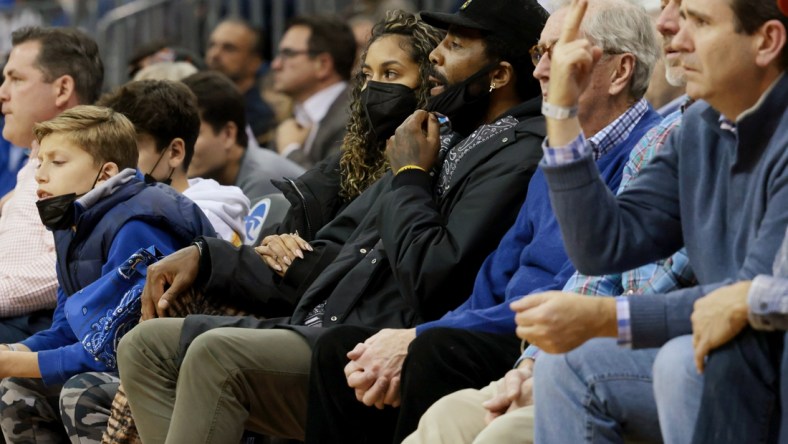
149	179
57	213
386	106
461	104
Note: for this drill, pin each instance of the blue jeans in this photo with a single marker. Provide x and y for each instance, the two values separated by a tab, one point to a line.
742	391
677	389
597	393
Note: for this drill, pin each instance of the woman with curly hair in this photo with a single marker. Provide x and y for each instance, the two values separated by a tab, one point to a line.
391	83
363	161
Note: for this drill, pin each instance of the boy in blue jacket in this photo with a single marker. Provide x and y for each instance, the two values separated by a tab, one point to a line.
101	212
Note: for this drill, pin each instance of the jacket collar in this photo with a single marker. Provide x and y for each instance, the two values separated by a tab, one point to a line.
530	123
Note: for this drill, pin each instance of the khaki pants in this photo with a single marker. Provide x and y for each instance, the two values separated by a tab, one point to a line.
229	380
459	418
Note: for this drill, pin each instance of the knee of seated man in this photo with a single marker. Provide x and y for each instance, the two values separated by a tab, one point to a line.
205	346
131	342
435	343
674	363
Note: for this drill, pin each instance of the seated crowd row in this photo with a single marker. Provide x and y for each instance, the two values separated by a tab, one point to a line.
432	281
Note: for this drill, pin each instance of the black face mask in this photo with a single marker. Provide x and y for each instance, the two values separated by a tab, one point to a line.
464	107
57	213
149	179
386	106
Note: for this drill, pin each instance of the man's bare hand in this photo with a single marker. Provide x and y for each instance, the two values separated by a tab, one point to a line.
278	251
376	365
572	60
167	279
558	322
289	132
717	318
415	142
513	391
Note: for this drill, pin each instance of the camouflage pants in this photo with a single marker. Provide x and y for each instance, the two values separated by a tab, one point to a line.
31	412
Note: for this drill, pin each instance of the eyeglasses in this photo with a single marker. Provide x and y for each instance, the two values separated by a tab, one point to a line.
287	53
539	50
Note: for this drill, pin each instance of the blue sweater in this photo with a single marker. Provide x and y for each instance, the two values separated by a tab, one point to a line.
531	257
60	353
722	195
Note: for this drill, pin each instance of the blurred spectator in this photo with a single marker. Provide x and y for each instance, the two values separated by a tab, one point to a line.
281	103
12	159
361	25
14	15
313	64
159	51
221	152
166	71
665	90
236	49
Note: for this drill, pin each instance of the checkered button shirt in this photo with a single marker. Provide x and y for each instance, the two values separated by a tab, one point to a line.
28	281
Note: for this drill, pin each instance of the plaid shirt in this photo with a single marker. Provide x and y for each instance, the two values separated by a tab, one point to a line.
28	280
655	278
598	144
768	297
660	277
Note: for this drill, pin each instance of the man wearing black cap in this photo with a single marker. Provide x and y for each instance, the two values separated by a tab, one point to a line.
427	226
475	343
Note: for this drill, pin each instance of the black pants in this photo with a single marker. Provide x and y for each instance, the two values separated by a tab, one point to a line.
440	361
741	390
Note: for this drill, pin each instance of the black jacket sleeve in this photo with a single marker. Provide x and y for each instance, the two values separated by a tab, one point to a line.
239	277
314	199
434	257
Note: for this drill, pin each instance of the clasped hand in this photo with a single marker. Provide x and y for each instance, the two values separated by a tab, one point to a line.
278	251
376	365
513	391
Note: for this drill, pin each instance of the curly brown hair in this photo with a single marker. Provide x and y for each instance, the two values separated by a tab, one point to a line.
363	160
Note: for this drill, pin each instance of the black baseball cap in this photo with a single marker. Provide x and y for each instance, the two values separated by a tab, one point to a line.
519	23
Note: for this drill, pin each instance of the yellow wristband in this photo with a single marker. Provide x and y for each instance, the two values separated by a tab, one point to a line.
410	167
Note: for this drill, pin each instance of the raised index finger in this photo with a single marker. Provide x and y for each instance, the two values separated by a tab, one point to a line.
573	20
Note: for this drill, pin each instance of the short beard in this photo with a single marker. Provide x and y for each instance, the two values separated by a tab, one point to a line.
675	76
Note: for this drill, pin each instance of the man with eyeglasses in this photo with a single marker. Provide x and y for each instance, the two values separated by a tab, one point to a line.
719	188
475	343
312	67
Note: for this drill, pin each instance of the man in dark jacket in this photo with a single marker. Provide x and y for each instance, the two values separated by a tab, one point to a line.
411	368
379	264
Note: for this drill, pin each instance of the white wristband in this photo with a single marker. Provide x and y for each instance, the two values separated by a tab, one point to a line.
558	112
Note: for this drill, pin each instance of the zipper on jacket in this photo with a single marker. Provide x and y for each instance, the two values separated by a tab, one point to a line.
303	205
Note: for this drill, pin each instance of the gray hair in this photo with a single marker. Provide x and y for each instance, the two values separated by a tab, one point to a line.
620	26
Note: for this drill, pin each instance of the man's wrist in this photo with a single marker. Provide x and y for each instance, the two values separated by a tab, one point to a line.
204	264
558	112
608	317
742	309
410	167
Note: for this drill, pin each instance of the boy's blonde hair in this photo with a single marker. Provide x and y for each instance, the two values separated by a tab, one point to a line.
106	135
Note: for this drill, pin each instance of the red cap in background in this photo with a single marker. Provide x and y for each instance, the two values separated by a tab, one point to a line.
783	5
